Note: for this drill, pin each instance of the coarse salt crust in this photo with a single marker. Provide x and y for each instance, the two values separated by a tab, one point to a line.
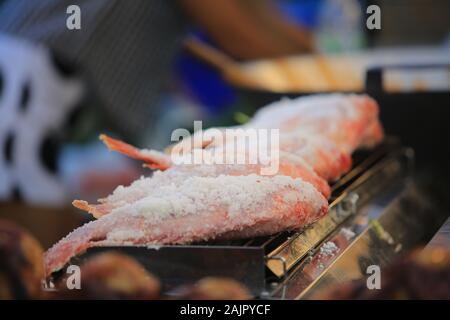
176	175
310	108
236	194
124	234
328	248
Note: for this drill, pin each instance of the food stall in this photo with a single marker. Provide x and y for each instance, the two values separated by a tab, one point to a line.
360	189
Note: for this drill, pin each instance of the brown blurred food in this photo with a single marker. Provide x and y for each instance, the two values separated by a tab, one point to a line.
112	275
109	275
213	288
21	263
422	274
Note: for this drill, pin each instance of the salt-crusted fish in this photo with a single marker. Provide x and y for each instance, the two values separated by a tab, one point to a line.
200	208
183	203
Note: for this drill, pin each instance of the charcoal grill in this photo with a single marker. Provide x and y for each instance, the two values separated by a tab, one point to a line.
292	264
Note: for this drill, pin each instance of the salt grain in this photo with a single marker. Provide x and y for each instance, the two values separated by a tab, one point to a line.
328	248
348	234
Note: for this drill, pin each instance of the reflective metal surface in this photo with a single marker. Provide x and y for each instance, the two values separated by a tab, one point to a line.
442	237
397	219
371	177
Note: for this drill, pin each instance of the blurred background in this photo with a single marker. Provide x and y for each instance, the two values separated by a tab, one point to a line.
139	70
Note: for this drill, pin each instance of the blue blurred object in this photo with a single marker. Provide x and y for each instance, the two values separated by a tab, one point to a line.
305	12
204	83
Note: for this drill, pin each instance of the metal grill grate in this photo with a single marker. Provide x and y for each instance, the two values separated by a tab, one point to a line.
254	261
